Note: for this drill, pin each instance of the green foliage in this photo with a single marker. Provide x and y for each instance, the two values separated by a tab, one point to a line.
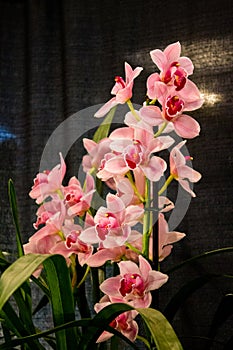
103	129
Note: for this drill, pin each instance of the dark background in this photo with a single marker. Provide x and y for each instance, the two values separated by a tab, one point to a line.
59	57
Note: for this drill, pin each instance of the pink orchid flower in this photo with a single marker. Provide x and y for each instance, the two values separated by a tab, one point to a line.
115	254
112	225
40	246
166	238
134	283
174	103
181	172
174	69
124	323
49	182
73	245
48	209
96	152
77	200
122	90
132	149
165	204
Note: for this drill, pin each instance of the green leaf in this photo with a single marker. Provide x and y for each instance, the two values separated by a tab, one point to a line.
17	273
44	334
42	303
3	263
14	210
59	283
223	312
101	322
185	292
200	256
12	322
162	332
104	127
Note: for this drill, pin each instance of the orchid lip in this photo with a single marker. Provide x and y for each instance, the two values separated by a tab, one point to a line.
120	80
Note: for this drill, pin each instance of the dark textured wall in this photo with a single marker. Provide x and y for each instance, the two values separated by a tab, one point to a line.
58	57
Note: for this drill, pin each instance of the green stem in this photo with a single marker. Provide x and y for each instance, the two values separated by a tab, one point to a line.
129	175
84	276
133	248
129	103
152	102
146	222
166	184
145	341
159	132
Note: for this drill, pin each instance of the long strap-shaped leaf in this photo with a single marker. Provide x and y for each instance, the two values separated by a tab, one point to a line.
17	273
60	287
14	210
14	324
99	323
62	300
104	127
162	332
185	292
199	257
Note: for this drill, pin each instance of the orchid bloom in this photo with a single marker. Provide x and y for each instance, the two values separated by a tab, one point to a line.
96	152
112	225
124	322
132	149
116	254
77	200
122	90
73	245
166	238
134	283
49	182
174	104
182	172
174	69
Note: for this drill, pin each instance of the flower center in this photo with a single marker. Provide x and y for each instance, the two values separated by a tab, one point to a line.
72	197
173	106
133	154
105	224
179	78
132	283
177	73
71	238
120	80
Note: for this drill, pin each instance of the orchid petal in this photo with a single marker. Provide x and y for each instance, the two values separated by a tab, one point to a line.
151	115
116	166
89	235
110	286
187	127
114	203
155	168
186	186
128	267
106	108
187	64
189	173
156	279
159	58
172	52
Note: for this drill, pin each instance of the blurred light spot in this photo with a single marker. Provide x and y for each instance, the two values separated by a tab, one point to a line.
210	98
5	135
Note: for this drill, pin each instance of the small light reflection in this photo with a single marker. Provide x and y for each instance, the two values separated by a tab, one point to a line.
210	98
5	134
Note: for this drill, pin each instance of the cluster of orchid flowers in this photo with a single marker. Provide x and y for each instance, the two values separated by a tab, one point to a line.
126	162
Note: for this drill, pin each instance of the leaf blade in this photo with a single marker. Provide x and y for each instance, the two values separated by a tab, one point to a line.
162	332
17	273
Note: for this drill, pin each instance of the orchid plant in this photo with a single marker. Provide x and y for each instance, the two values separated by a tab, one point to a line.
118	247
